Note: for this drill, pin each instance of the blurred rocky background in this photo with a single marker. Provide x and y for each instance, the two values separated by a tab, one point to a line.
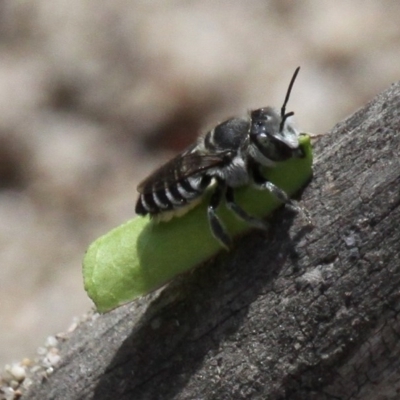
94	94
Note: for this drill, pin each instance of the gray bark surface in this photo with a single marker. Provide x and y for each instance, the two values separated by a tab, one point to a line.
299	313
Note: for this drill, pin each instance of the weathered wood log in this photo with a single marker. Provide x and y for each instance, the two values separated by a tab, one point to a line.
298	313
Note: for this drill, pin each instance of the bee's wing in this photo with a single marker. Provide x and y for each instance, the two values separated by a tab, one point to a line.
180	167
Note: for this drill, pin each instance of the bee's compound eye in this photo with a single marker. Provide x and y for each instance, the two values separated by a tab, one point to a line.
267	116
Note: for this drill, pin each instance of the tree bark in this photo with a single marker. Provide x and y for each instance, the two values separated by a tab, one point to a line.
299	313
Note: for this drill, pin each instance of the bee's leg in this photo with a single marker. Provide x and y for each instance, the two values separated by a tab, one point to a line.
242	214
216	225
280	194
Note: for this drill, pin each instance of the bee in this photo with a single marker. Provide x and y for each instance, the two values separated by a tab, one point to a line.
227	157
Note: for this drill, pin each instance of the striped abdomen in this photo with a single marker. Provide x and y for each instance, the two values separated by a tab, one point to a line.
175	199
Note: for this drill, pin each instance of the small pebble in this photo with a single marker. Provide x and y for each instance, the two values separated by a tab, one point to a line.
51	341
16	371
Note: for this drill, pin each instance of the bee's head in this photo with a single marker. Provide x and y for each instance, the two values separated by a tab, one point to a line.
272	134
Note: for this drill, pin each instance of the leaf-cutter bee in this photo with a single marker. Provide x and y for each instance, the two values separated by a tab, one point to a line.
229	156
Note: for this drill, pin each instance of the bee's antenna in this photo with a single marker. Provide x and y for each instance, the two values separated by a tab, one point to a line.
283	109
